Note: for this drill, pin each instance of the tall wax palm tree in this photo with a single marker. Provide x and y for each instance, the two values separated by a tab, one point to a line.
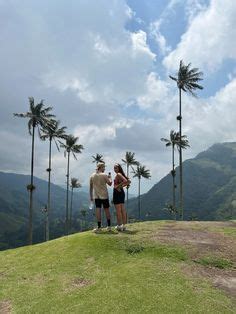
51	132
129	160
187	80
38	116
140	172
70	148
182	143
74	184
172	141
98	158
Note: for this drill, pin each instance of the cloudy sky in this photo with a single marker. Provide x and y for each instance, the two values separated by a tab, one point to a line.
104	66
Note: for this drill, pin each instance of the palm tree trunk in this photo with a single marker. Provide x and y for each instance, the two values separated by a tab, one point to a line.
173	176
49	189
180	160
139	200
31	191
127	197
67	195
71	203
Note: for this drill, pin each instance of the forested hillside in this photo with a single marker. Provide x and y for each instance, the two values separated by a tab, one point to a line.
209	188
209	194
14	204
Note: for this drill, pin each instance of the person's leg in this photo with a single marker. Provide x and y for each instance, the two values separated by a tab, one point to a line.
106	207
118	214
124	214
98	212
108	216
98	216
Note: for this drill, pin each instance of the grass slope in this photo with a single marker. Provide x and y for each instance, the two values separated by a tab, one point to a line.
103	273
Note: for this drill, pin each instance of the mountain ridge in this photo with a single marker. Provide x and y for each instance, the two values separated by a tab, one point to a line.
209	187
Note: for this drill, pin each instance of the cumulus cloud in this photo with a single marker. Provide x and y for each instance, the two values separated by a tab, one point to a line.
105	84
155	33
208	39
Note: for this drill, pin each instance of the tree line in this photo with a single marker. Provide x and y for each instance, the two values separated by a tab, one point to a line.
41	119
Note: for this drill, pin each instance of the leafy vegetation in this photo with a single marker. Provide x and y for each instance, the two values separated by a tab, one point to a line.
215	262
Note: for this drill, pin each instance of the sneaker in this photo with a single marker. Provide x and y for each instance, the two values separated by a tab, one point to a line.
123	227
119	228
108	228
96	230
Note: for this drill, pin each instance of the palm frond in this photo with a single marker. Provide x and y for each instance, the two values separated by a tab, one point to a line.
187	78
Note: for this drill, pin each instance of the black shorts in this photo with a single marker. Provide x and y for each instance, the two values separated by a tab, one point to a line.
99	203
118	197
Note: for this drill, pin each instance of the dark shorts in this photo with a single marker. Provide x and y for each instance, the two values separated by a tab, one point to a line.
99	203
118	197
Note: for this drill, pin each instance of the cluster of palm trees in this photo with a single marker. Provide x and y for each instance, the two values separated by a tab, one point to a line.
40	118
139	172
187	81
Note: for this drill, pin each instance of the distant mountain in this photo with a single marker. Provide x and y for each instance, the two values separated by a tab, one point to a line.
209	187
14	204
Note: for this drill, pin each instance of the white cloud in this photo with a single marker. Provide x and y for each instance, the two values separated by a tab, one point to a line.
207	121
102	81
158	37
139	41
156	96
208	40
194	7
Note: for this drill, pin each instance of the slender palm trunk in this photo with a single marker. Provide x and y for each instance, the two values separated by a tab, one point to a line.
139	199
71	204
30	235
127	197
49	189
173	177
180	159
67	195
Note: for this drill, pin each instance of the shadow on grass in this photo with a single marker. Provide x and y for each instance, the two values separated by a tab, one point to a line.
129	232
115	232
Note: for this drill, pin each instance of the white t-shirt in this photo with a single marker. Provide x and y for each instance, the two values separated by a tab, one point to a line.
99	181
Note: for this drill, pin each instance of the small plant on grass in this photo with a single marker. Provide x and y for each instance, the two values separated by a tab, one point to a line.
134	249
213	261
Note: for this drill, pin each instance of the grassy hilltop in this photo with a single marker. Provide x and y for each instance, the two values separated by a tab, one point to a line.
155	267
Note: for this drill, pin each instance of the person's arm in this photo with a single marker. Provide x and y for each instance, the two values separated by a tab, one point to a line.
108	179
124	182
91	189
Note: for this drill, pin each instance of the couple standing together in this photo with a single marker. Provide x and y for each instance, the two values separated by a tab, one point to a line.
99	194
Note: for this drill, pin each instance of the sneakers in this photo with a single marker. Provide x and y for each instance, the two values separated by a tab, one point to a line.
119	228
97	230
123	227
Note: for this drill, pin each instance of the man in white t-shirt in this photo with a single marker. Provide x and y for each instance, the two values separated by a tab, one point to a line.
99	193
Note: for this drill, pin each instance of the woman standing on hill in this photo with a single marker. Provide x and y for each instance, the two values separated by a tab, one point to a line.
120	181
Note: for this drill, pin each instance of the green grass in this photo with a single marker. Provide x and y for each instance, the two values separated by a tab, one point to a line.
217	262
105	273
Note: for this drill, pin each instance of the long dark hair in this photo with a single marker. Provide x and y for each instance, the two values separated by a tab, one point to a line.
121	171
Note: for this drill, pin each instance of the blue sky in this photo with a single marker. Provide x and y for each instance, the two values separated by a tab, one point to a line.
104	66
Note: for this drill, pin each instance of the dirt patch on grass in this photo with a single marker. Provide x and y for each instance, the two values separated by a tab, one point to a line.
5	307
80	282
77	283
200	241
